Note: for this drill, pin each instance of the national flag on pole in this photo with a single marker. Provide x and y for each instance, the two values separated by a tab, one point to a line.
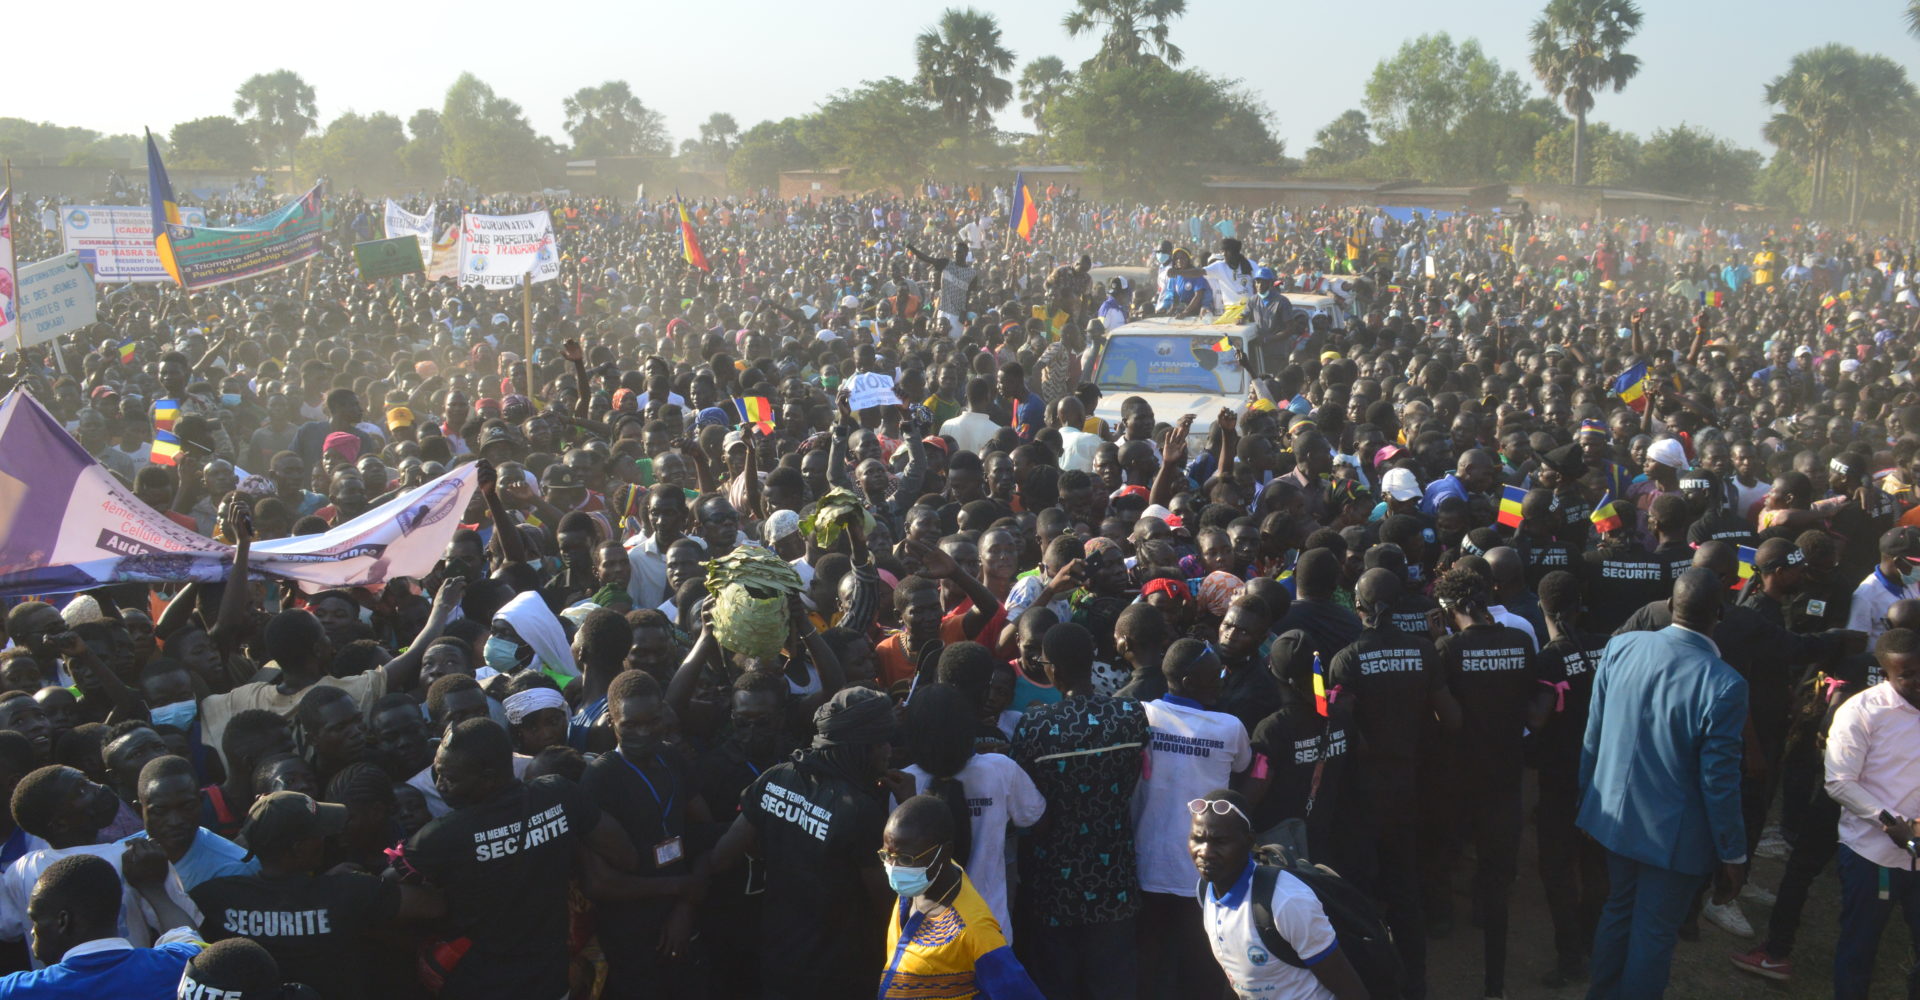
166	211
1631	387
1713	298
1221	346
689	243
1319	686
127	347
1510	497
1025	213
1747	555
756	411
1605	517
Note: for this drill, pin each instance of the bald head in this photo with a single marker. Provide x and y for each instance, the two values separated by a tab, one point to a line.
1696	599
1721	558
1507	566
1904	614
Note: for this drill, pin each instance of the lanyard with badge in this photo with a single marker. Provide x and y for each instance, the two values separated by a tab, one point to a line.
669	850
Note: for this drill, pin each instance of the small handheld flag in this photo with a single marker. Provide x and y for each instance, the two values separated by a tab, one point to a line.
166	445
756	411
1631	387
127	348
1713	298
1025	214
1221	346
1319	686
1510	498
1605	517
1747	555
690	243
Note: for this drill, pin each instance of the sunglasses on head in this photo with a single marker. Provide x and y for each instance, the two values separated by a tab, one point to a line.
1219	807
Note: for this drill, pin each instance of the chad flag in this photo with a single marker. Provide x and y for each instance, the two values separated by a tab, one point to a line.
1320	699
757	412
166	211
690	243
1747	555
1631	387
1510	498
1605	517
1026	214
166	445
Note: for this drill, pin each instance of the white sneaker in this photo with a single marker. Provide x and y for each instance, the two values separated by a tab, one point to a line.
1773	846
1754	892
1727	917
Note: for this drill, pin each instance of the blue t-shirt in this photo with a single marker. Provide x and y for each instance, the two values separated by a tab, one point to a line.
211	856
121	973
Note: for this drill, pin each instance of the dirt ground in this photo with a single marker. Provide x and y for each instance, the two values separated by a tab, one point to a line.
1701	970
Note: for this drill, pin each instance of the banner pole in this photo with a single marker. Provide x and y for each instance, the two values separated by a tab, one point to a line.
526	323
13	264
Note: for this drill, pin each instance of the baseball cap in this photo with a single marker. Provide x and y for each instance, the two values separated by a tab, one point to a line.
399	416
1849	366
562	477
1400	484
279	819
826	336
1901	541
1802	351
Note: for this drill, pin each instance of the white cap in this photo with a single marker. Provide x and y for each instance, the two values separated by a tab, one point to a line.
1802	351
1400	484
849	302
1156	510
1849	366
780	525
826	336
1668	452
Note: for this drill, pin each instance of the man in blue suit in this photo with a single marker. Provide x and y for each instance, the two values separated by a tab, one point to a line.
1661	771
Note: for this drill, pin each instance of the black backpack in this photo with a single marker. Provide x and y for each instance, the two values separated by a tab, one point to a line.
1362	934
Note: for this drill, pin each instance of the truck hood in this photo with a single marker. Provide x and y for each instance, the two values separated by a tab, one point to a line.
1171	406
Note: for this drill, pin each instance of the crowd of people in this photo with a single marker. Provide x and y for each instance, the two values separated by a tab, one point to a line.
1609	528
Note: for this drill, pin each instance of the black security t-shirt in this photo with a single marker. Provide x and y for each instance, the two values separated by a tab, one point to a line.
503	866
1619	581
648	798
1569	660
1720	526
1677	557
1295	739
315	926
1410	613
1545	557
1492	671
1388	678
818	831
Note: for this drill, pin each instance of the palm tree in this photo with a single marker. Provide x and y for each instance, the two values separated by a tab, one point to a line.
278	107
1877	90
1913	18
1815	109
1042	82
1577	51
960	59
1127	28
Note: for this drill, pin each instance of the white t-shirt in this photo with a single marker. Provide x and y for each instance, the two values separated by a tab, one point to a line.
1252	972
1193	752
999	793
1871	602
16	885
436	803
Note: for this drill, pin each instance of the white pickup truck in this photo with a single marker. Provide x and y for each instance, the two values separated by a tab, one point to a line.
1173	364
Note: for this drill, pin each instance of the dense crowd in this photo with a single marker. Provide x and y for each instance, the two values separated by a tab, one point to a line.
972	691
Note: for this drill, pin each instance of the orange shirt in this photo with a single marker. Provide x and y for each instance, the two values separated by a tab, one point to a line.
891	653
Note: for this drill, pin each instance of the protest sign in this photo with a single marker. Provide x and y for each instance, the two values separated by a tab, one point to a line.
870	389
56	296
500	251
401	222
445	262
206	257
115	242
389	258
66	524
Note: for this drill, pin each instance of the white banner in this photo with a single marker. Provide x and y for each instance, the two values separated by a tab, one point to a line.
67	524
56	297
870	389
501	251
401	222
445	260
9	281
115	242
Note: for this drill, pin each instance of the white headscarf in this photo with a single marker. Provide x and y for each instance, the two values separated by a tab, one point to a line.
537	627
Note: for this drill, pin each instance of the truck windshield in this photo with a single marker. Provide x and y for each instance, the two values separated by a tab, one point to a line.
1172	363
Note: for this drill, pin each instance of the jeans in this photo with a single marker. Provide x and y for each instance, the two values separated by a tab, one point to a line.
1633	946
1863	915
1083	962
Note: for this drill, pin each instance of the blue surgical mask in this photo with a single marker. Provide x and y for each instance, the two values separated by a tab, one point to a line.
909	882
229	399
1163	257
179	715
502	654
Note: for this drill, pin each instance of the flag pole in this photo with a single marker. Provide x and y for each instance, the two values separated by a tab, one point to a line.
13	264
526	322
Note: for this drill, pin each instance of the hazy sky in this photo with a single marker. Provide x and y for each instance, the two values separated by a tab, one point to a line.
1704	61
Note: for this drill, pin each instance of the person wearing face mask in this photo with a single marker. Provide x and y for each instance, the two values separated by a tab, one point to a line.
942	934
526	634
1895	579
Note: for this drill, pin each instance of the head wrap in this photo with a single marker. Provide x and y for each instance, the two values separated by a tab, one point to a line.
1668	452
1218	590
620	397
348	445
536	626
1163	585
525	703
426	369
712	416
853	717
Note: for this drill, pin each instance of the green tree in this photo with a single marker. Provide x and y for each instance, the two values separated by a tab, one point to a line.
1042	81
1141	128
488	142
880	130
714	146
1878	93
1912	17
426	151
1342	140
279	108
358	151
1577	50
1451	112
1832	100
959	62
216	142
1612	157
609	121
771	147
1692	161
1132	32
44	143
